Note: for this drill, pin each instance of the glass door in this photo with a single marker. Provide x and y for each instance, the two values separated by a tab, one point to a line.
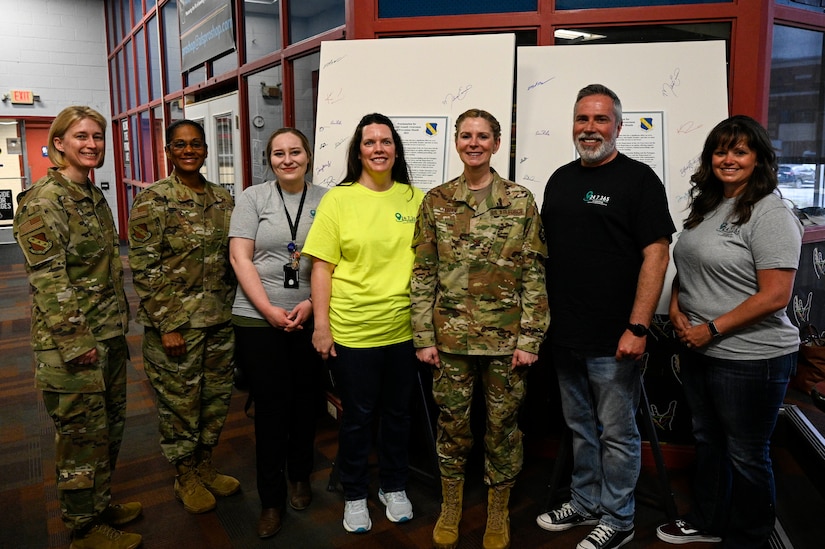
219	117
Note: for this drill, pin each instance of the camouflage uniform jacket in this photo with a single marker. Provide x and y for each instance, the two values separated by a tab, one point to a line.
68	238
179	254
478	281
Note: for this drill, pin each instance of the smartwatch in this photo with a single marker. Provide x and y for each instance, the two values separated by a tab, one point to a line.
639	330
714	331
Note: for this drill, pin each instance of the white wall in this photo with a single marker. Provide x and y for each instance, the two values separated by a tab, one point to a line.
57	49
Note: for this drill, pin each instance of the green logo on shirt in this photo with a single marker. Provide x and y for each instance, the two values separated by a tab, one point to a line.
404	218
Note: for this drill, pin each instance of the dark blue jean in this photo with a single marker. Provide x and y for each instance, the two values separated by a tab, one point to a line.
374	382
599	398
735	404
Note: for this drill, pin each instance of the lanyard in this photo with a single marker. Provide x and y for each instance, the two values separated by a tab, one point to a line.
293	228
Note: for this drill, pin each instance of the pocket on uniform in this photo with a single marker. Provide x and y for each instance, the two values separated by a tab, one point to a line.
154	356
52	374
77	486
180	234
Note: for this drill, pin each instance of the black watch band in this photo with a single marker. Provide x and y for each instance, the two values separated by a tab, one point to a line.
714	331
639	330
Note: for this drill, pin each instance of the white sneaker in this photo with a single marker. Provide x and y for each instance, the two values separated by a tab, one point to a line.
357	516
399	508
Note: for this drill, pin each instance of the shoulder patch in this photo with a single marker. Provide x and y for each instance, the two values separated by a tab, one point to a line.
31	224
140	232
138	211
39	243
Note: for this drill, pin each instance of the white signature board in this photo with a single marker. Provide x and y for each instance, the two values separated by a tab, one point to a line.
436	77
684	81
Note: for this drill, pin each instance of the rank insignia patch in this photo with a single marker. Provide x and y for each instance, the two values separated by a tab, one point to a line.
39	243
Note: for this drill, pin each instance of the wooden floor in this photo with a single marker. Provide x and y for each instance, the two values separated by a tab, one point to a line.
29	515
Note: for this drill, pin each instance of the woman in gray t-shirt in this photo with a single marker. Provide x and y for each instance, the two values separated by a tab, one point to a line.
736	261
272	317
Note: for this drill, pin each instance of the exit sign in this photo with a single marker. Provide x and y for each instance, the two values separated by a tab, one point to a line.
24	97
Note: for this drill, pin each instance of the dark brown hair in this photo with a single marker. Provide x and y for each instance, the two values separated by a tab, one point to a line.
707	191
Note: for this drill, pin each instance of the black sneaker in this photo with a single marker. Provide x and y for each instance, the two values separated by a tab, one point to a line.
679	532
562	518
605	537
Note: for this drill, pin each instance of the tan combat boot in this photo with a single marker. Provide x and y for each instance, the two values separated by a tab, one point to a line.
445	533
497	533
189	489
118	514
103	536
215	482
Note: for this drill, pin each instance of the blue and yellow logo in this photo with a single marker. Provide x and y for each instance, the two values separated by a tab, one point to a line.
647	124
432	128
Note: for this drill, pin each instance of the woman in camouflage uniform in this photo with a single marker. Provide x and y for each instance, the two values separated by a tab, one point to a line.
179	253
79	321
479	311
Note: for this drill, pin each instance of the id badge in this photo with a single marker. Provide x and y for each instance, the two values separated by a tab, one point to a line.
290	277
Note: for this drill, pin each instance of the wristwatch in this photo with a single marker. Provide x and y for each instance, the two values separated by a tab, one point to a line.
639	330
714	331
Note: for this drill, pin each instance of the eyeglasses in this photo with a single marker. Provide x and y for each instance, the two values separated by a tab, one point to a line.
181	145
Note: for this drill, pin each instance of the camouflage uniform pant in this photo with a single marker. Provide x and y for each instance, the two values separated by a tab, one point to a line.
193	391
504	390
89	431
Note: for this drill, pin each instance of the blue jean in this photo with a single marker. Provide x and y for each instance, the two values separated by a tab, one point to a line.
735	404
374	382
599	398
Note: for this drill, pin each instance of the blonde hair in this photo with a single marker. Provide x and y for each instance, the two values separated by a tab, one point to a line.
65	120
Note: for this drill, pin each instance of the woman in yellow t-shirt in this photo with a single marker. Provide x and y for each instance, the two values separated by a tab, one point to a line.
360	244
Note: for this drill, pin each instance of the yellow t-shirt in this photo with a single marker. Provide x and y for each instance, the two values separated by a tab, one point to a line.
367	235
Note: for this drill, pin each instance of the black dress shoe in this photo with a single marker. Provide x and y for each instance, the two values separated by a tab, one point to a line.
301	495
270	522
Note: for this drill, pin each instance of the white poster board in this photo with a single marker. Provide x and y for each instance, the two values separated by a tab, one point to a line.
681	84
436	78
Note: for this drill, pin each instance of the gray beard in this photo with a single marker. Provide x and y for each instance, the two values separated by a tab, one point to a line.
594	156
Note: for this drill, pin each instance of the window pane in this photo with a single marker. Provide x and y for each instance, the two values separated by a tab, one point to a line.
113	76
810	5
137	9
308	18
196	76
263	28
228	62
123	82
157	143
586	4
175	110
305	75
146	150
266	114
645	33
111	35
171	42
136	147
226	151
154	58
130	73
117	6
795	113
143	73
405	8
149	5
